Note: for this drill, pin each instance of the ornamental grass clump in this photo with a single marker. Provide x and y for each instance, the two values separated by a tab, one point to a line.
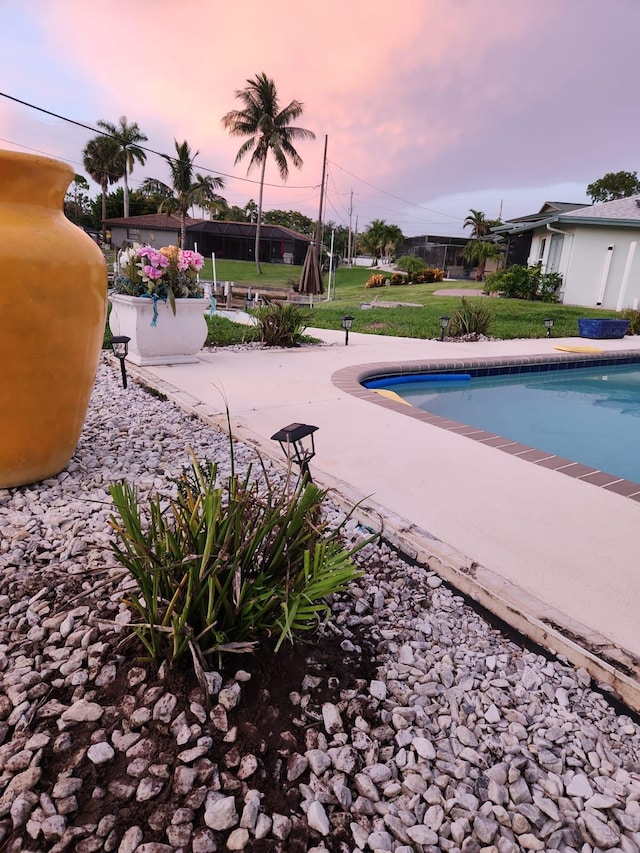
280	325
471	319
225	568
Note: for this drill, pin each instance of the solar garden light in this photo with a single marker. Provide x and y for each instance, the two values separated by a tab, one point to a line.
347	322
120	347
548	322
292	441
444	322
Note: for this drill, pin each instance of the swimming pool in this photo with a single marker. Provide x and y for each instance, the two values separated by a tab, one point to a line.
590	415
357	379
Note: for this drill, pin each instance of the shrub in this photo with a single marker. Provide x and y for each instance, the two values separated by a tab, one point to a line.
472	318
633	317
512	282
520	282
375	280
397	278
438	274
223	568
411	264
427	276
281	325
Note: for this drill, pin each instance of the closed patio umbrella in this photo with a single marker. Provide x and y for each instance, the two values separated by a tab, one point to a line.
311	277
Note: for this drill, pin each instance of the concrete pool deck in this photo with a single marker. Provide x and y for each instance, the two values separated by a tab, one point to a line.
554	556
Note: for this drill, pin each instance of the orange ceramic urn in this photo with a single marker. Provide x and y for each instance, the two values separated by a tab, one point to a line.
53	292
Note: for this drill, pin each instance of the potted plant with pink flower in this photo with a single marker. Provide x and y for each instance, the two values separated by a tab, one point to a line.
157	302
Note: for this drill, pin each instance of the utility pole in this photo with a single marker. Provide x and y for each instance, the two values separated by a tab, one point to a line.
350	212
319	222
355	235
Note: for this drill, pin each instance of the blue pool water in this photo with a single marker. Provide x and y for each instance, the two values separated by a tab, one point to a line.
588	415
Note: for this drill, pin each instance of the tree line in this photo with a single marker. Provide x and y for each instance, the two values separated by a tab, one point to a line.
264	125
266	128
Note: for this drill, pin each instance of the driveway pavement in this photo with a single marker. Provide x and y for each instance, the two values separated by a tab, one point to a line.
554	556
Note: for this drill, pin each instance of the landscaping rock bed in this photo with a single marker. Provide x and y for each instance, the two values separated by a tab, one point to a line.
411	724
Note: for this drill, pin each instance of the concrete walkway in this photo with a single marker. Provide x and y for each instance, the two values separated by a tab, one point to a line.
554	556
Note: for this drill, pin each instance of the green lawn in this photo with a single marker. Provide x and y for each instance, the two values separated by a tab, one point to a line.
513	318
243	272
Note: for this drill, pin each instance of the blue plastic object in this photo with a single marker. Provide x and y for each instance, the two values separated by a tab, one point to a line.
590	327
385	382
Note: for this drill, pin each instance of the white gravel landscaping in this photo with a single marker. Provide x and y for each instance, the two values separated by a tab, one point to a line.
457	739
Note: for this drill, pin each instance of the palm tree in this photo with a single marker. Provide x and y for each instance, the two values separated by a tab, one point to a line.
153	188
128	136
374	238
393	235
477	221
204	193
268	128
104	161
477	252
186	187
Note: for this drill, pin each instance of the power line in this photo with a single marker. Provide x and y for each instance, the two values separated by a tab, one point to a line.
99	132
391	195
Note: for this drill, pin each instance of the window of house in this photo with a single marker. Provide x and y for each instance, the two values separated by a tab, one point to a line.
555	252
541	247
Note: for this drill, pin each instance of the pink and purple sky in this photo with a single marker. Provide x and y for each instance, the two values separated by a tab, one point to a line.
431	107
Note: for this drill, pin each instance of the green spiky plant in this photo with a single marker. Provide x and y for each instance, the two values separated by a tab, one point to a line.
281	325
472	318
223	568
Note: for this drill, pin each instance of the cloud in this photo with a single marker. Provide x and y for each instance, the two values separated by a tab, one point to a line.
425	99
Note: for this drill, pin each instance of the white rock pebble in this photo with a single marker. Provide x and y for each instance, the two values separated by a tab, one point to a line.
454	737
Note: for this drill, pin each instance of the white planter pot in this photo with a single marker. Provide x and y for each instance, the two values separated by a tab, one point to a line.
175	339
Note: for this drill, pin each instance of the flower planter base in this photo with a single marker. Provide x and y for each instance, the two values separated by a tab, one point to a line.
175	339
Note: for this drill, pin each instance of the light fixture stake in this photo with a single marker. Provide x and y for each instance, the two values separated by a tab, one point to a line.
291	439
347	322
120	347
444	322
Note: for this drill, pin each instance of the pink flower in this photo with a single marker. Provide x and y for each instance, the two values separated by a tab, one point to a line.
153	256
152	272
190	260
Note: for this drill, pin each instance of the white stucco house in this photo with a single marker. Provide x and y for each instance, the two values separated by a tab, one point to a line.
594	248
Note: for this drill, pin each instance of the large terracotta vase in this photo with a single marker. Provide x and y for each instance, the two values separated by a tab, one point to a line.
166	339
53	292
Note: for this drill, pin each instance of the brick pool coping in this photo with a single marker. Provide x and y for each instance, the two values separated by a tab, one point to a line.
350	379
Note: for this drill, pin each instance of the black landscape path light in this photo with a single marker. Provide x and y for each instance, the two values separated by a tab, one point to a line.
120	347
444	322
548	322
347	322
295	448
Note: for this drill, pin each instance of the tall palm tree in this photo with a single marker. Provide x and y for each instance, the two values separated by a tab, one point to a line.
393	235
104	161
128	136
477	221
478	252
268	128
186	188
374	237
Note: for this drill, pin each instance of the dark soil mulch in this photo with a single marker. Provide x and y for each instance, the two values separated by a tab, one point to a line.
269	726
